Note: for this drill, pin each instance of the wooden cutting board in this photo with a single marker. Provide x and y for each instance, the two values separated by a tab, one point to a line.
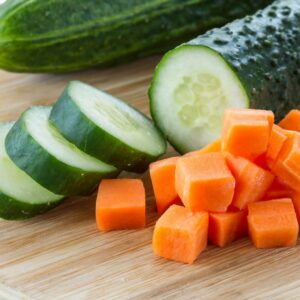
62	255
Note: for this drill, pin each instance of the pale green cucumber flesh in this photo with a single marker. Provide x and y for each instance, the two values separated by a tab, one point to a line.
107	128
191	88
39	150
20	196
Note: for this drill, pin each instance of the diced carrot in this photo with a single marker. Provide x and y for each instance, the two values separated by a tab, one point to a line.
278	190
296	201
276	142
246	132
180	234
261	161
225	228
291	121
252	182
204	182
212	147
120	204
162	175
287	165
273	223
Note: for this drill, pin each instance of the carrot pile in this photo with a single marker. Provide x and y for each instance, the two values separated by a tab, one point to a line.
245	183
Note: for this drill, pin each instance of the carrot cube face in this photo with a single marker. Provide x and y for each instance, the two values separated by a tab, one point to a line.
276	142
273	223
204	182
296	201
252	182
246	132
278	190
162	175
291	121
121	204
225	228
212	147
287	165
180	234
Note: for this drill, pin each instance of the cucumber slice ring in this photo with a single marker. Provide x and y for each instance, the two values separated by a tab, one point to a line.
37	148
191	88
20	196
107	128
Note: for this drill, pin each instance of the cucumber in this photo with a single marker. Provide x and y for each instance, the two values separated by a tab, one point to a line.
37	148
107	128
67	35
252	62
20	196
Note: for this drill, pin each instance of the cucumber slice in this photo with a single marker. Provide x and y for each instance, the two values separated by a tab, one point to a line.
20	196
107	128
38	149
191	88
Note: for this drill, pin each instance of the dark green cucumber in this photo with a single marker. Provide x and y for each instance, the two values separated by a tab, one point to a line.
67	35
252	62
107	128
37	148
20	196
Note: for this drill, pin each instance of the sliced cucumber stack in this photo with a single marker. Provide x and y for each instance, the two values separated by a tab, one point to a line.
107	128
20	196
37	148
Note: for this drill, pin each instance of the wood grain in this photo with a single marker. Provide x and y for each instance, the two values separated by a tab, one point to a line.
61	255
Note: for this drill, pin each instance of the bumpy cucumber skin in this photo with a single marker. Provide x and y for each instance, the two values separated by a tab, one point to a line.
79	130
67	35
264	51
12	209
44	168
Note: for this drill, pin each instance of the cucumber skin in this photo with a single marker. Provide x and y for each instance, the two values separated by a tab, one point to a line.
79	130
12	209
37	36
44	168
264	51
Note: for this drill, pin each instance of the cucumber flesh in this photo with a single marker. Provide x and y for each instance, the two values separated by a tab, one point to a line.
51	140
36	147
118	119
20	196
191	88
107	128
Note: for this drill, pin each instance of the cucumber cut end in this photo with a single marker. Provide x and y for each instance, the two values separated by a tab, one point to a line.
191	88
118	119
15	183
39	127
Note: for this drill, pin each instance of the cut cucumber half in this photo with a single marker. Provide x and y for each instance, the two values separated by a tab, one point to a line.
20	196
191	88
37	148
107	128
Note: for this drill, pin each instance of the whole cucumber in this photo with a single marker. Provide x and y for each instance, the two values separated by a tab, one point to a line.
68	35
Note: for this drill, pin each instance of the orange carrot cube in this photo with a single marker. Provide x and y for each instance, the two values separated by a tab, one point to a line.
276	142
296	201
252	182
287	165
291	121
180	234
204	182
162	175
225	228
120	204
215	146
278	190
246	132
273	223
